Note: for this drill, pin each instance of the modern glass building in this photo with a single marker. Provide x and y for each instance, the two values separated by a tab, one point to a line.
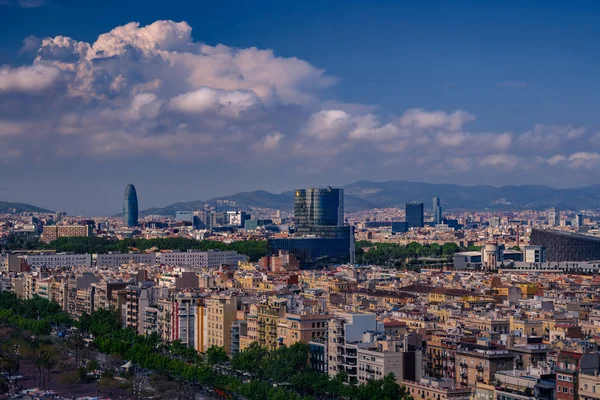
320	236
315	251
130	206
437	211
414	215
315	209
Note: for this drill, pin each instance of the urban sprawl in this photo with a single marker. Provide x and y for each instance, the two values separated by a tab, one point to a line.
448	304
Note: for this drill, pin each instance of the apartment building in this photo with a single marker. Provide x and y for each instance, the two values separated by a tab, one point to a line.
441	356
378	356
220	315
293	328
437	389
114	260
201	259
589	386
345	331
103	294
54	260
51	233
176	319
479	362
238	329
569	366
268	315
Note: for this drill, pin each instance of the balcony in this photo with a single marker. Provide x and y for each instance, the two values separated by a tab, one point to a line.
463	364
479	368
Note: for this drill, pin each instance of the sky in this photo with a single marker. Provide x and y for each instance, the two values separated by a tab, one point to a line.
193	100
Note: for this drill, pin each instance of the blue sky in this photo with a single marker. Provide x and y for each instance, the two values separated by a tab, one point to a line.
525	70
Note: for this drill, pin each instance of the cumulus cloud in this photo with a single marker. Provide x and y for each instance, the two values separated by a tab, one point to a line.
27	79
227	102
422	119
549	137
155	92
31	44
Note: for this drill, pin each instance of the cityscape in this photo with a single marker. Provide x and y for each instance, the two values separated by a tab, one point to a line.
400	200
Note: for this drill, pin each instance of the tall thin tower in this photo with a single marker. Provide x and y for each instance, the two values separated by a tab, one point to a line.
130	206
437	211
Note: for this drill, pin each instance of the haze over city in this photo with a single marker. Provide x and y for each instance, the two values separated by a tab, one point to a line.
196	100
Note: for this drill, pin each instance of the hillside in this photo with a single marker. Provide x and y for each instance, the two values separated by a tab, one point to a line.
16	208
364	195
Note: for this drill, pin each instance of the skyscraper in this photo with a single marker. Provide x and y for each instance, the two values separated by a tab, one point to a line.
319	211
437	211
414	215
130	206
553	217
578	222
320	234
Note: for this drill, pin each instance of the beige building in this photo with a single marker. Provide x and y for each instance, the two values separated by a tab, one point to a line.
220	315
269	313
589	386
293	328
479	362
436	389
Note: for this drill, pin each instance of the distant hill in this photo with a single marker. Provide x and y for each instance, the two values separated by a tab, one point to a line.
364	195
16	208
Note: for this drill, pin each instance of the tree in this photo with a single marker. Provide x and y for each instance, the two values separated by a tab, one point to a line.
448	249
216	355
251	359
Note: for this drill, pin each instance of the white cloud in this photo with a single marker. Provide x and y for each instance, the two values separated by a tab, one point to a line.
27	79
556	159
270	142
583	159
549	137
421	119
328	124
30	45
153	91
509	161
227	102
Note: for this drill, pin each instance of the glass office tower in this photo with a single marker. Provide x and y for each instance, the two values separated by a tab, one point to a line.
414	215
130	206
320	234
318	208
437	211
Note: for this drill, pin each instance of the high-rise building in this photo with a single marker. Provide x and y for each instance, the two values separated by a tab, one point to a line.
578	222
437	211
553	217
414	215
130	206
321	237
316	210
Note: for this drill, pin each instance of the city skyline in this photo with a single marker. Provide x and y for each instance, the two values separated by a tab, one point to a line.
485	94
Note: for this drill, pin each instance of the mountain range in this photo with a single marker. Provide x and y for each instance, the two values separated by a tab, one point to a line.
15	208
365	195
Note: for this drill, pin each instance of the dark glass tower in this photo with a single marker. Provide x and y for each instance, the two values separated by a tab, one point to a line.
437	211
318	211
414	215
130	206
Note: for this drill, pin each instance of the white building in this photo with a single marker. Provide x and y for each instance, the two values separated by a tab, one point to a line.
118	259
53	260
345	332
201	259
